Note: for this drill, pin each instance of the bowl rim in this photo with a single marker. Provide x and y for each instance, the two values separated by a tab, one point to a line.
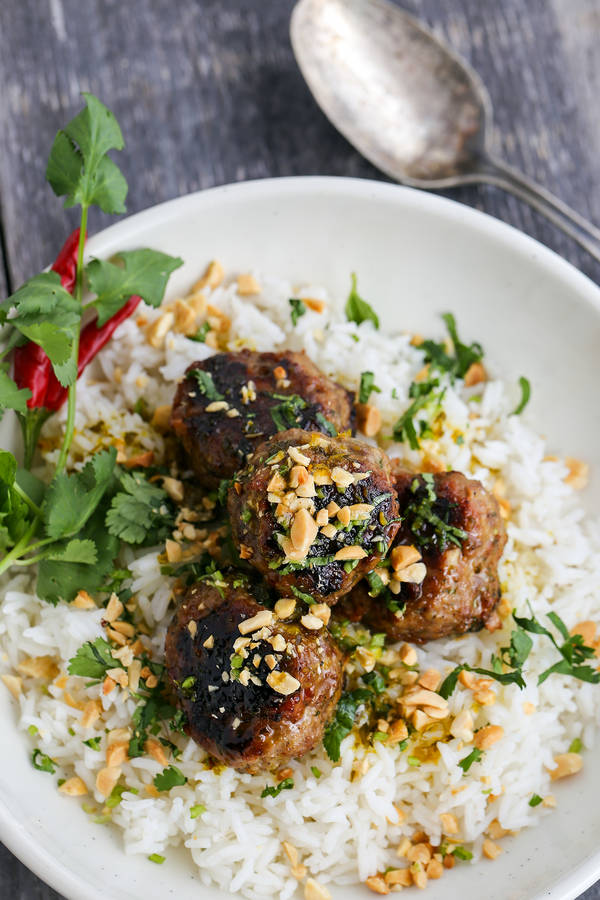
13	834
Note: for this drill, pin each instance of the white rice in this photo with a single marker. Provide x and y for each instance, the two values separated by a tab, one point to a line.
344	828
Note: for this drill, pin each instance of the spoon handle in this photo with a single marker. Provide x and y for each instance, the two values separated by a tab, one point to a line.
496	171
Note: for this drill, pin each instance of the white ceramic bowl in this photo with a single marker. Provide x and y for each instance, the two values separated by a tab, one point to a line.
417	255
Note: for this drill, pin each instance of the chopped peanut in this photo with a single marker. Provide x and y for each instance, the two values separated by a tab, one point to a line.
528	709
419	853
549	802
403	847
292	853
185	318
263	619
378	884
248	286
344	515
157	330
155	750
174	488
303	531
399	876
468	679
485	697
322	518
566	764
487	736
108	685
119	675
403	556
321	611
107	779
116	636
212	277
133	671
313	623
39	667
282	682
414	574
113	609
422	697
246	552
449	823
299	872
408	655
284	608
398	732
491	850
14	684
277	482
462	726
314	304
354	552
125	628
91	713
420	720
144	460
368	419
366	658
298	457
419	875
435	869
342	478
117	753
430	680
579	473
475	374
495	830
83	601
162	417
74	787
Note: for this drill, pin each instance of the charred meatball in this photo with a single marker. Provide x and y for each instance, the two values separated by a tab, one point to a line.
228	404
314	514
446	560
256	690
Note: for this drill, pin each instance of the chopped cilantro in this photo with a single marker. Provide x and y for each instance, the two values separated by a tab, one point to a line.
156	858
375	681
413	761
525	395
115	796
341	724
428	516
61	781
461	853
206	384
286	785
367	386
200	335
466	763
573	650
357	309
93	743
380	736
575	746
327	426
140	513
197	810
302	596
285	414
535	800
464	356
32	730
169	778
246	516
42	762
316	772
422	393
298	309
92	660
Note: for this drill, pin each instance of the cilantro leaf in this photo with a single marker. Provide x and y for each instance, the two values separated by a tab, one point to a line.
78	165
422	393
286	785
427	515
76	551
93	743
10	395
466	355
42	762
62	580
535	800
92	660
302	596
285	414
343	720
137	513
367	386
573	650
357	309
298	309
144	273
575	746
169	778
525	395
13	510
519	649
197	810
466	763
327	426
448	685
206	384
375	681
71	499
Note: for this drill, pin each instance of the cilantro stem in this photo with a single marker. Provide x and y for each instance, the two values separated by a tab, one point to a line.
19	549
70	427
32	506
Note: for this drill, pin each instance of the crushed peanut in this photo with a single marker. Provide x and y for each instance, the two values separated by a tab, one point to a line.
248	286
282	682
579	473
83	601
14	684
414	574
39	667
285	608
262	619
403	556
107	779
354	552
155	750
368	419
157	330
491	850
487	736
313	623
566	764
74	787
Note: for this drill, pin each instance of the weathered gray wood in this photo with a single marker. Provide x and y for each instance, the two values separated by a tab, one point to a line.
208	92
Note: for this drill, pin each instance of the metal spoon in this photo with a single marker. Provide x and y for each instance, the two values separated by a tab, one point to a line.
409	103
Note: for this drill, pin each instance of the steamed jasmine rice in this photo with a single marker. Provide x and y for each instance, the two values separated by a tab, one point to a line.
350	821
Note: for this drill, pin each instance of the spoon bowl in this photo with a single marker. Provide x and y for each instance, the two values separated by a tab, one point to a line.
410	103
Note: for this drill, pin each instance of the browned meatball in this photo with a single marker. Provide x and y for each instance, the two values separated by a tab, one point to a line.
260	394
461	587
256	692
314	514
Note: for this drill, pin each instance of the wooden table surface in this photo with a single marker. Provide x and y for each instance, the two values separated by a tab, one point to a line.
208	92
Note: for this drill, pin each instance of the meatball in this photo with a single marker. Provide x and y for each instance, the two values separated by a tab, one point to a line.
228	403
256	689
313	514
447	573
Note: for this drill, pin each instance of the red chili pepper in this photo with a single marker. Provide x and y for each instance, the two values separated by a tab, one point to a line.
66	261
91	341
32	370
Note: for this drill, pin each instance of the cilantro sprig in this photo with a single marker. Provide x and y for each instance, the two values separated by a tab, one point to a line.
343	720
357	309
286	785
455	361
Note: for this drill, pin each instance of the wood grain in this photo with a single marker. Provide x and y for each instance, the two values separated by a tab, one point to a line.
208	92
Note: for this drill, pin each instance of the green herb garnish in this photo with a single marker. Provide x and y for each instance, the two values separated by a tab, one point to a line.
466	763
341	724
316	772
197	810
367	386
93	743
298	309
42	762
286	785
206	384
357	309
525	395
169	778
156	858
461	853
535	800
